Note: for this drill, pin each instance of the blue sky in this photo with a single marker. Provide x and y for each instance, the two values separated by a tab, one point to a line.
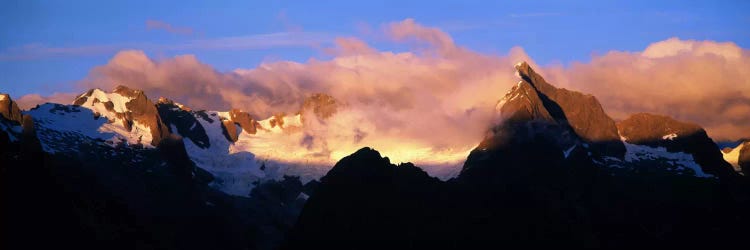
46	46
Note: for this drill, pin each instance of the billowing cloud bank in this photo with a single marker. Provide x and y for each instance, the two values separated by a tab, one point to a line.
704	82
440	97
31	100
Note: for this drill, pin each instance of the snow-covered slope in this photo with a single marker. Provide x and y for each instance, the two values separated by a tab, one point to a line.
677	162
264	154
237	149
733	156
58	126
235	172
13	131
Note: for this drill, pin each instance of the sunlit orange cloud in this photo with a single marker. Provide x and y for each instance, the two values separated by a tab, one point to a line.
704	82
440	97
408	105
29	101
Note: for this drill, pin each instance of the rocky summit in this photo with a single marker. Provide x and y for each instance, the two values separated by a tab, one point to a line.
129	108
533	100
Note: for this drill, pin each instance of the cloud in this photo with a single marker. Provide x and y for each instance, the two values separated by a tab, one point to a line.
31	100
351	46
161	25
439	99
409	29
704	82
433	104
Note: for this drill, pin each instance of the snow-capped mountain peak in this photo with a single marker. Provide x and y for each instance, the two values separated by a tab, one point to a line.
129	112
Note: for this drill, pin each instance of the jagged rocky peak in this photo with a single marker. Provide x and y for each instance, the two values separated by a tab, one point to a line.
676	136
11	121
527	74
322	105
129	108
533	99
15	126
9	109
523	103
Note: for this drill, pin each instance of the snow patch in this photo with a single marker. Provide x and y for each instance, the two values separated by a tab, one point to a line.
54	120
303	196
680	160
117	100
669	136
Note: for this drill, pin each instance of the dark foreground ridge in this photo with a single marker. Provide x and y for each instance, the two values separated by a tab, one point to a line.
518	200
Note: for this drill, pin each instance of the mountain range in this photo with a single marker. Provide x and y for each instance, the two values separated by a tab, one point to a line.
119	170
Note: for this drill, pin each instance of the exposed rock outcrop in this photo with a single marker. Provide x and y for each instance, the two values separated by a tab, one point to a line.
15	126
246	122
180	117
277	120
9	109
230	130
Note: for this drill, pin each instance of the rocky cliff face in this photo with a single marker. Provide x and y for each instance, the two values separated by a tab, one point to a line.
182	119
16	129
581	112
236	122
230	130
247	123
9	109
574	118
540	117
